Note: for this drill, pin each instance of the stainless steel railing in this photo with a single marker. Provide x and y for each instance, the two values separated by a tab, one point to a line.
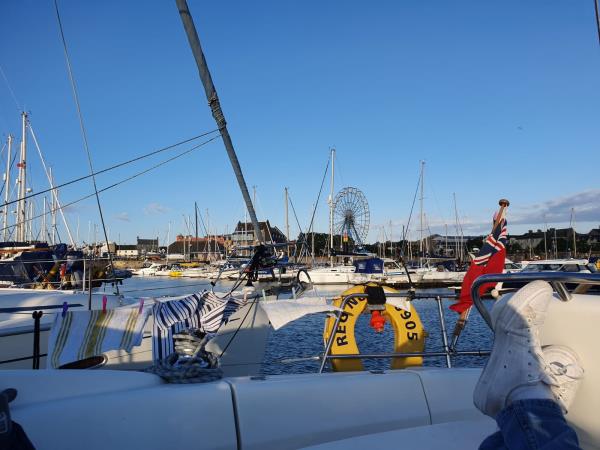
556	279
448	351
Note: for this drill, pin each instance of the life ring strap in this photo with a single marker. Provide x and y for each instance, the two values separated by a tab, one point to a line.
409	334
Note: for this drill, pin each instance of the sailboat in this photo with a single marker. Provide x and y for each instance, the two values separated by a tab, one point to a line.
424	407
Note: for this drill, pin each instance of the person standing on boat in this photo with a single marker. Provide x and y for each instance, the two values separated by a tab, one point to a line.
525	387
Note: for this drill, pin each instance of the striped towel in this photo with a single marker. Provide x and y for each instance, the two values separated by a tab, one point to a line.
203	310
83	334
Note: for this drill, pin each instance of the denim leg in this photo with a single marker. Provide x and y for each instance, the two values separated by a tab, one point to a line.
493	442
535	424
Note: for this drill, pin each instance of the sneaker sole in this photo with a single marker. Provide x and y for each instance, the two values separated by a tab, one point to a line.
491	370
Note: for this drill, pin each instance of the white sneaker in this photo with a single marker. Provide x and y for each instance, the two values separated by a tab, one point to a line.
565	371
516	358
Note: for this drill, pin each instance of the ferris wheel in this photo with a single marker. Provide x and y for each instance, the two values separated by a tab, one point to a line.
351	216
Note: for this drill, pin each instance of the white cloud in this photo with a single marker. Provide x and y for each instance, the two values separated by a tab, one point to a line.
155	208
585	204
123	216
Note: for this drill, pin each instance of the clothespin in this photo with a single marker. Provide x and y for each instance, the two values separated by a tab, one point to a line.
65	306
104	300
141	306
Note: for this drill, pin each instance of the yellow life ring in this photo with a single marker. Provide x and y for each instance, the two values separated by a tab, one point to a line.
409	335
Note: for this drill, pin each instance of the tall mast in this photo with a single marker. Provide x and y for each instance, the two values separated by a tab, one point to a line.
168	240
331	207
196	215
391	241
458	240
44	234
421	246
545	243
21	206
573	228
7	189
208	234
53	207
446	240
30	222
312	236
215	106
287	222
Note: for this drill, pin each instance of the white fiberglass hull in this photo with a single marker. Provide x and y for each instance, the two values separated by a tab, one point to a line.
426	408
329	275
242	357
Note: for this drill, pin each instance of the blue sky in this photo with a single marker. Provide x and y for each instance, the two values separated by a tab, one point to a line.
499	99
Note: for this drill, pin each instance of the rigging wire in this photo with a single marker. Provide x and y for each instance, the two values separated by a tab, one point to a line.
117	183
12	93
115	166
83	133
597	11
310	227
54	194
304	237
404	242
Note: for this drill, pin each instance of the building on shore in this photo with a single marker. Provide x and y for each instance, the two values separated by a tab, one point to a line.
200	249
147	246
244	233
128	251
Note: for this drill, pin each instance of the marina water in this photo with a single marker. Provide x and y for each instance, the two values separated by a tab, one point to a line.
303	338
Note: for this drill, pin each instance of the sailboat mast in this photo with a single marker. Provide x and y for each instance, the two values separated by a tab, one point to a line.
196	215
44	234
21	206
331	208
391	241
421	246
217	112
53	207
7	188
168	240
573	228
208	234
458	240
287	222
30	222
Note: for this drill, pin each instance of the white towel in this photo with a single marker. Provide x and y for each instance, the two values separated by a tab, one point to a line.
399	302
281	312
83	334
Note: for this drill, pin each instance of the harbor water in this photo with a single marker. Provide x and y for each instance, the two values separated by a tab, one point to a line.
303	338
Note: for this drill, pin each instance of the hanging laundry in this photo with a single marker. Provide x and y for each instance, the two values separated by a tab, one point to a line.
78	335
204	310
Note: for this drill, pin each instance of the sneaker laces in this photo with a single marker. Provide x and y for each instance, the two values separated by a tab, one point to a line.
556	368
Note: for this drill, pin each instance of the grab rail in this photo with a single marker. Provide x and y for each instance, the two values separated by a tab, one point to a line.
556	279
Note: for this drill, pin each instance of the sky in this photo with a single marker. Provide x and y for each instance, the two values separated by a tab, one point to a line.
500	100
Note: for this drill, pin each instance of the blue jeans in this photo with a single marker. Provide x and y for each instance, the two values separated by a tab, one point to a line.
532	424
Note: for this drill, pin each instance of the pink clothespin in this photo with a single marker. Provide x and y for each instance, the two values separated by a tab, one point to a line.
65	306
141	305
104	300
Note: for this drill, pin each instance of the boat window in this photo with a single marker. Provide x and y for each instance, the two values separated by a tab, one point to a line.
541	267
